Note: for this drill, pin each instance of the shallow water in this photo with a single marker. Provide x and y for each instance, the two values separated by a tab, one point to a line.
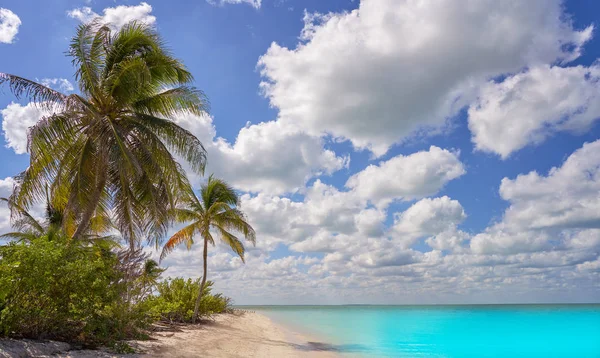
449	331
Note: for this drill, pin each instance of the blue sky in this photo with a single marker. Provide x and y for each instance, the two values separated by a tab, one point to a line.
387	152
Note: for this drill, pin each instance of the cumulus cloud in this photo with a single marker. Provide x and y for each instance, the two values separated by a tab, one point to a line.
427	217
268	157
325	214
568	197
117	16
16	120
391	69
6	187
61	84
498	240
544	210
407	177
375	76
537	249
254	3
530	106
9	25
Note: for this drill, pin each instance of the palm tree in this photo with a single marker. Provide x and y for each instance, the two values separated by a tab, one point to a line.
215	213
109	151
28	228
26	225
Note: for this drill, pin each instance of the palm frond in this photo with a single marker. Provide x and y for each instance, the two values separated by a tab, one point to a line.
234	220
182	99
232	241
86	49
35	92
185	235
21	218
216	190
182	215
180	140
19	236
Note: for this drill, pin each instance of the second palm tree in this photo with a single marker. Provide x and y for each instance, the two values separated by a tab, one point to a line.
215	213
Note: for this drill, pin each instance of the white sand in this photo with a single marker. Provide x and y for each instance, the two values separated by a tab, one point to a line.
245	335
228	335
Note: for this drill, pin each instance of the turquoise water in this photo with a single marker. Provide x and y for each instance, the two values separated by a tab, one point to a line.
449	331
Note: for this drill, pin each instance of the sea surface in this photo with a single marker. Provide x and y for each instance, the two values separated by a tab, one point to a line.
571	331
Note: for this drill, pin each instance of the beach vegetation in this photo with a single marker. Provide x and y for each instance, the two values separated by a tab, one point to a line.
215	215
175	300
106	162
52	287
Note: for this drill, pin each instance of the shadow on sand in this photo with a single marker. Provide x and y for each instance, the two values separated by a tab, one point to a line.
326	347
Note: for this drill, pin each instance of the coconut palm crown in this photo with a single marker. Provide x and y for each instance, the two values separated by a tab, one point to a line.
215	213
109	151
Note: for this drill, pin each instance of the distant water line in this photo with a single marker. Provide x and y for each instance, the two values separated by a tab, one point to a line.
449	331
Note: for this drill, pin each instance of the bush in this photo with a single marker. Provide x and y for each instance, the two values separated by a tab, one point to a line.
56	288
176	297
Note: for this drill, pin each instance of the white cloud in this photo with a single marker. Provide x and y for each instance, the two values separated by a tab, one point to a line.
497	240
268	157
534	252
6	187
451	239
427	217
390	69
568	197
9	25
385	257
407	177
375	76
254	3
531	106
116	16
16	120
60	84
369	222
543	209
325	213
584	239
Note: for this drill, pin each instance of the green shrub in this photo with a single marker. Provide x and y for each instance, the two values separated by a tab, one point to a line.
175	299
61	289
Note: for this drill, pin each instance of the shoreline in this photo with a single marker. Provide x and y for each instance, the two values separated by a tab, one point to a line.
241	334
245	334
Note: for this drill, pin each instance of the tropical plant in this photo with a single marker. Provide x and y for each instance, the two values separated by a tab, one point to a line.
109	151
65	289
29	228
140	273
216	213
176	297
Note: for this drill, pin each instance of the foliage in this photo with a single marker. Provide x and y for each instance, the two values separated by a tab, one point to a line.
140	274
29	228
57	288
109	150
176	297
104	159
217	210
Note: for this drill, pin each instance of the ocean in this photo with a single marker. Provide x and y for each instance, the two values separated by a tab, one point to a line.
506	331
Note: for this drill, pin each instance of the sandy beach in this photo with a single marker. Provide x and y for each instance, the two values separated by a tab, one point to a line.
244	335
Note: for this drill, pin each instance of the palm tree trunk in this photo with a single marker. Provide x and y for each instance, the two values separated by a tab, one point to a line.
89	211
204	257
